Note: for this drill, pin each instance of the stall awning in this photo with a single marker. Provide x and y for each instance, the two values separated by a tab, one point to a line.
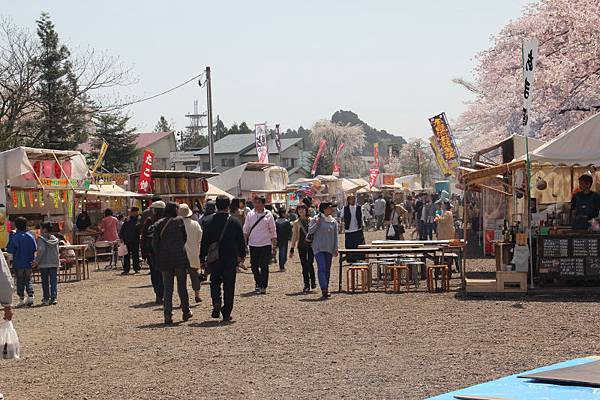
108	191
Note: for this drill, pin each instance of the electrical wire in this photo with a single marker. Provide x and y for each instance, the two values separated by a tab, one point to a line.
164	92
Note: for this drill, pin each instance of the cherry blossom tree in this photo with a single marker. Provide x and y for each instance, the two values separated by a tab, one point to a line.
353	138
566	86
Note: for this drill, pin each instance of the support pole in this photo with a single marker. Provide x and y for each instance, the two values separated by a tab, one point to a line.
211	144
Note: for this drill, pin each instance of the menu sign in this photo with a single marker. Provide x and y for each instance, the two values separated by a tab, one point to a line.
555	248
570	267
585	247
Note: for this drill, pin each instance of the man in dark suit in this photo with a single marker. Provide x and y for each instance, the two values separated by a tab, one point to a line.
232	251
353	226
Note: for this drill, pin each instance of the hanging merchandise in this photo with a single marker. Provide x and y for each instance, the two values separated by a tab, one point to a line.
22	202
57	170
66	166
47	169
15	198
40	197
56	198
64	196
70	202
30	193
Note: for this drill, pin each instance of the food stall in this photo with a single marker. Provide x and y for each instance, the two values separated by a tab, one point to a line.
40	184
534	194
178	186
253	179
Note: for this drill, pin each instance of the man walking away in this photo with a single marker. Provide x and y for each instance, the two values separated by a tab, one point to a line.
261	234
221	228
158	209
379	212
284	234
353	226
130	235
22	246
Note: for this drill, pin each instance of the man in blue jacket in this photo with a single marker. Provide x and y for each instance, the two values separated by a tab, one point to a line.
22	247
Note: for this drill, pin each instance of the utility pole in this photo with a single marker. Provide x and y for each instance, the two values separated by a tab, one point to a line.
211	144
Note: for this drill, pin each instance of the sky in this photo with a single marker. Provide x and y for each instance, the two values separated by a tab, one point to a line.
286	62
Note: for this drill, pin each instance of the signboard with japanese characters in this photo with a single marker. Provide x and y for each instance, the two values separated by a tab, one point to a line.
145	181
262	148
530	53
445	141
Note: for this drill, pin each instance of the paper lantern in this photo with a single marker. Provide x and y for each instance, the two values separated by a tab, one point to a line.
57	171
67	168
47	169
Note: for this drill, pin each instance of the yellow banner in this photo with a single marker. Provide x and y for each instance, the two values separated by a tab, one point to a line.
438	156
101	155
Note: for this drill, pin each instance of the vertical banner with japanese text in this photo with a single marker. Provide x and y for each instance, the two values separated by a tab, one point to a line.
277	138
262	149
444	169
373	174
145	181
376	154
336	163
322	145
101	154
530	54
445	141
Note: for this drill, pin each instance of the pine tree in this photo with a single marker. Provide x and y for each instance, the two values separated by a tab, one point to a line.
122	151
64	113
163	125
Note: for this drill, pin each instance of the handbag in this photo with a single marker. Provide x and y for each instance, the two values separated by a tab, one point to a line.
213	249
122	250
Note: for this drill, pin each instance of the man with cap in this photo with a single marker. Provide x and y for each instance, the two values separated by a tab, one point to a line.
192	247
585	204
157	210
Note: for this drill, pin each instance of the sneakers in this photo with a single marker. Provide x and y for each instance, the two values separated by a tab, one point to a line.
227	319
187	316
313	286
263	290
216	313
21	303
124	273
53	302
29	301
197	299
257	290
45	302
306	290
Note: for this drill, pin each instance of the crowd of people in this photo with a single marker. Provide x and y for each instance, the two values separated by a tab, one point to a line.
177	241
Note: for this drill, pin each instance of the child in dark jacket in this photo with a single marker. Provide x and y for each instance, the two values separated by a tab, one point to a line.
48	261
22	247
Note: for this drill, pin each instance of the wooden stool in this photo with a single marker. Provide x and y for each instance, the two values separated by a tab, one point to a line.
384	266
352	276
396	270
432	280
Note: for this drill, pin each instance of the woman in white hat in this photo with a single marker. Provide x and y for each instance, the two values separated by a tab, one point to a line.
192	247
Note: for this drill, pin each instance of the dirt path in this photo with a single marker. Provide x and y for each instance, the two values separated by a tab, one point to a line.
104	340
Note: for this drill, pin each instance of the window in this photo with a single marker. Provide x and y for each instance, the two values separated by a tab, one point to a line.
289	163
228	162
190	167
206	166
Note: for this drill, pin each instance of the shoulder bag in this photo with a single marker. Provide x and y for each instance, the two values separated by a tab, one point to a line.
213	249
254	226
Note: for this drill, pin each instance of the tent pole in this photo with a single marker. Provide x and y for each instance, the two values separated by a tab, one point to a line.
463	273
528	212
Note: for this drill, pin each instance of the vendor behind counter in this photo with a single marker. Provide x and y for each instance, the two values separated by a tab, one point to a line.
585	204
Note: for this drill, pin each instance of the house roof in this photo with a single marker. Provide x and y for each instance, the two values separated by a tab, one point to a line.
142	140
285	144
244	145
149	138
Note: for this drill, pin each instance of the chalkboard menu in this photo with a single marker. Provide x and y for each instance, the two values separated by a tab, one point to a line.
555	247
569	257
585	247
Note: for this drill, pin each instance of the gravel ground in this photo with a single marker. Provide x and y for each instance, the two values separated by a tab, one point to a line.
104	340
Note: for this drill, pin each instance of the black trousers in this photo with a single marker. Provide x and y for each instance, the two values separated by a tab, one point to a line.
307	260
223	278
259	261
352	241
133	252
156	277
169	283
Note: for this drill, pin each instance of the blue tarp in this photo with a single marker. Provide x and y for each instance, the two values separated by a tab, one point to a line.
514	388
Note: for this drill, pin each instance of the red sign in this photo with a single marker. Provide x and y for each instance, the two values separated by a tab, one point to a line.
145	182
204	185
373	173
322	145
336	164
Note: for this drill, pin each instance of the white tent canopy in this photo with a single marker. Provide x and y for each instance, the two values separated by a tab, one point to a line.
579	145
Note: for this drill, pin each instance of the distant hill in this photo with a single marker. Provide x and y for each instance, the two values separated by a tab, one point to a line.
372	135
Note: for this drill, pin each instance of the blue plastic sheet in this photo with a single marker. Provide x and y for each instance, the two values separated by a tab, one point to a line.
514	388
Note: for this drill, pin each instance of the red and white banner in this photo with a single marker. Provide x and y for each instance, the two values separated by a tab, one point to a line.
336	163
322	145
376	154
145	181
262	149
373	174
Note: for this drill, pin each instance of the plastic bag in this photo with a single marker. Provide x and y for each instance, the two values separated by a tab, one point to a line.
9	341
391	232
122	250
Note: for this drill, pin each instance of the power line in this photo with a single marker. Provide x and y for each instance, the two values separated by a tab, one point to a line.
163	93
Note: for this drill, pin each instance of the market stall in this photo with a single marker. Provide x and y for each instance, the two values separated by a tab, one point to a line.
40	185
533	215
179	186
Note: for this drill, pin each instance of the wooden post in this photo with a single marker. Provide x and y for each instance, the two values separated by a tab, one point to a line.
463	273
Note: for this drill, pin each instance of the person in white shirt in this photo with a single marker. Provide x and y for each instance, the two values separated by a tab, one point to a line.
193	232
261	234
366	213
379	211
353	226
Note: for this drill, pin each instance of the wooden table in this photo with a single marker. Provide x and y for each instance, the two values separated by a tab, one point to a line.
393	253
418	242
